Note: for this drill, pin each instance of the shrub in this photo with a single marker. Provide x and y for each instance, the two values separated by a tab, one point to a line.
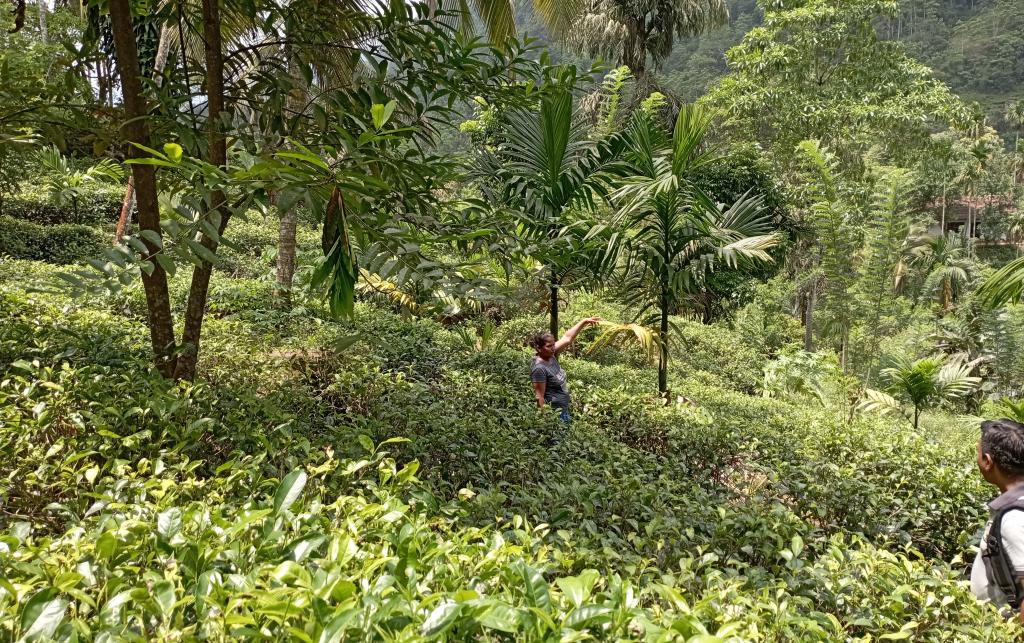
99	205
251	248
60	243
409	487
716	350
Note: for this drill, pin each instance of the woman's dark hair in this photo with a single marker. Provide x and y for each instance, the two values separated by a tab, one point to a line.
1004	441
538	340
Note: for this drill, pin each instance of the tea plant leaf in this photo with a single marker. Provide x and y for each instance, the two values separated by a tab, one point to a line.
499	616
573	589
168	523
534	586
289	491
163	592
586	615
42	616
440	619
335	629
905	632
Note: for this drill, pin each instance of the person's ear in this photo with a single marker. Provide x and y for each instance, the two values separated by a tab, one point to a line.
985	462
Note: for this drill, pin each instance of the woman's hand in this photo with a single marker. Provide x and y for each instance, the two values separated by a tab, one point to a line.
570	335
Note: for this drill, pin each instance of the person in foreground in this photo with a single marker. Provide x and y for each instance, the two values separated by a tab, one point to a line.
998	571
546	373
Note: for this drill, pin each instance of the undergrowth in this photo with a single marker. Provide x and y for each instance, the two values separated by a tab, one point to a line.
405	487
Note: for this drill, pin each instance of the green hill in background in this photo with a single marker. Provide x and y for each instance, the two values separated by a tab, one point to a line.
976	46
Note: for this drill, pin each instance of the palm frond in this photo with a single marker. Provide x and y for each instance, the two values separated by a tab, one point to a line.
1004	286
689	150
498	17
878	402
559	15
748	248
613	334
954	379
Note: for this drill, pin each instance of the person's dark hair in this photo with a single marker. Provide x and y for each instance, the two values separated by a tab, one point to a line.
1004	441
538	340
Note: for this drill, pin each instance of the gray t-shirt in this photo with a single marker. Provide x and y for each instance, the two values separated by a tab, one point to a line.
556	391
1012	532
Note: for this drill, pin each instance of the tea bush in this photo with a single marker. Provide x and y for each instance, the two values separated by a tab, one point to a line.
57	243
97	206
406	486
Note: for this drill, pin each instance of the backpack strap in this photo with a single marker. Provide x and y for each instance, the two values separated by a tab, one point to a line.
998	565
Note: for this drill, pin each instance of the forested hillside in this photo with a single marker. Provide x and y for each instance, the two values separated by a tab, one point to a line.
977	46
370	321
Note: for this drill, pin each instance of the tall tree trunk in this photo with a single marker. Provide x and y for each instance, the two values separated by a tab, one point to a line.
289	219
942	224
553	286
162	51
844	348
195	309
136	129
101	81
286	256
809	321
634	53
663	348
44	33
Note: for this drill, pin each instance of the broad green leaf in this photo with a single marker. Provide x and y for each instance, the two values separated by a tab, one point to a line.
440	619
168	523
42	615
335	629
366	442
163	592
382	113
586	614
501	617
573	589
534	585
289	491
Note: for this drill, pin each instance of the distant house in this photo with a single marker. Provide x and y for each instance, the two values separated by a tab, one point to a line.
975	209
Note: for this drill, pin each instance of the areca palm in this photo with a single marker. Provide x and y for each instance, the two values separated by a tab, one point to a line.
946	265
923	384
551	170
675	233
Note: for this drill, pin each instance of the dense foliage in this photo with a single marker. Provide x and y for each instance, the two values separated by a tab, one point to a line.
269	272
287	477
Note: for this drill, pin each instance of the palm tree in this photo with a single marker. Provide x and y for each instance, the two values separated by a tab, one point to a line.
66	184
550	169
675	234
923	383
626	32
1015	117
979	154
946	265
